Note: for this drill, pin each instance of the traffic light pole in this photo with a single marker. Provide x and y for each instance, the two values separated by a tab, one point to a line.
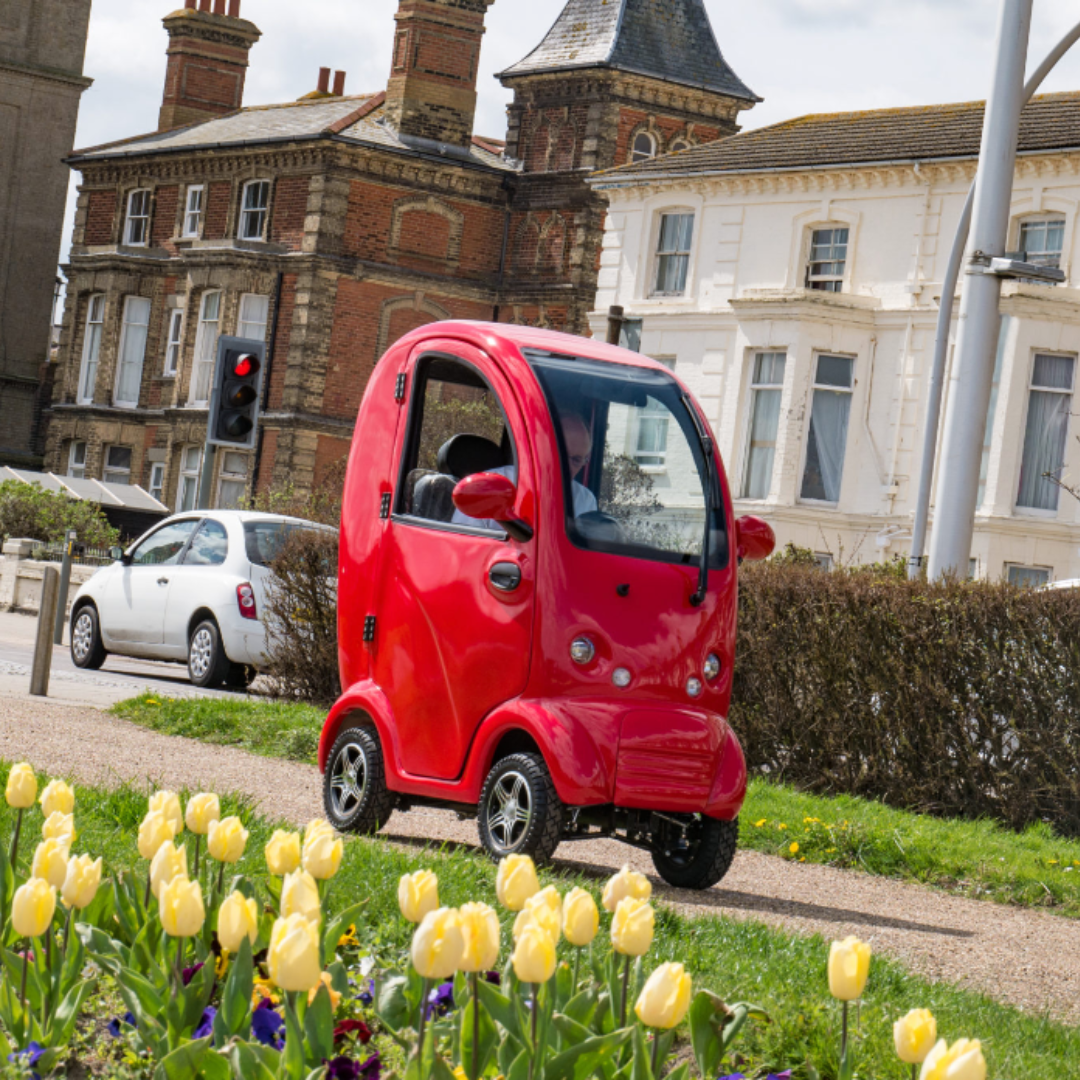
206	477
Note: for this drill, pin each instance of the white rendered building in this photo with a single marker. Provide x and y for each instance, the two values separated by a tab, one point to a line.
792	276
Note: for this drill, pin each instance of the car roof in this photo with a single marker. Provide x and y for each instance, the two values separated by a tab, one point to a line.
250	515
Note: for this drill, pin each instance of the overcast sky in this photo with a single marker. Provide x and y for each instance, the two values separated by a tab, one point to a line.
801	56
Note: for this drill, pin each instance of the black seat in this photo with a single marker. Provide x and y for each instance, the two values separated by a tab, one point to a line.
430	495
464	455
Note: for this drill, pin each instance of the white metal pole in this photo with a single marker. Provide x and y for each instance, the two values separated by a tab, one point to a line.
979	323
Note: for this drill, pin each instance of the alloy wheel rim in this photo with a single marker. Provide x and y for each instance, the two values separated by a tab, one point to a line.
348	779
509	811
80	639
202	646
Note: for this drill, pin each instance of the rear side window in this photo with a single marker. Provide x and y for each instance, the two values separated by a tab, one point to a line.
209	546
265	539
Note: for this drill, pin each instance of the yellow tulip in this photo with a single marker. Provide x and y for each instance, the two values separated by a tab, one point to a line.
325	980
167	804
21	787
438	944
316	826
238	918
322	855
625	883
201	810
50	862
32	908
516	881
539	908
300	896
480	927
665	997
418	894
293	957
849	966
57	798
226	839
632	927
58	826
156	829
962	1061
581	917
915	1035
180	906
169	862
534	954
283	852
81	882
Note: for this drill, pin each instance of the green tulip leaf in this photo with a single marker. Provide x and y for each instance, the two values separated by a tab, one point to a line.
67	1012
507	1053
641	1064
519	1070
500	1008
485	1045
184	1062
586	1058
337	927
215	1066
292	1057
581	1008
393	1006
247	1065
235	1011
682	1072
319	1026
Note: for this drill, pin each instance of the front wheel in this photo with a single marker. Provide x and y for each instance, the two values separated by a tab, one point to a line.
355	794
520	812
697	857
87	648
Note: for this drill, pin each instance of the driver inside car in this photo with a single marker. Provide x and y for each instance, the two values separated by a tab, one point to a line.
577	434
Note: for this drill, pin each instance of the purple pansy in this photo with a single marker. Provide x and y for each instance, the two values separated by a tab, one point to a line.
267	1025
189	973
31	1055
116	1021
342	1068
493	977
367	995
733	1076
371	1069
206	1024
441	1000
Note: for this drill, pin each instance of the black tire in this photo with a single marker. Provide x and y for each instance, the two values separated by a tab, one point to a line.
87	650
707	858
208	666
535	829
355	795
240	676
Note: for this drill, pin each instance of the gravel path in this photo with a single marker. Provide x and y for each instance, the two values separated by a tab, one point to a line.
1026	958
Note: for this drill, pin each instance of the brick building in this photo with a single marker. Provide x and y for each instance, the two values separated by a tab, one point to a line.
334	224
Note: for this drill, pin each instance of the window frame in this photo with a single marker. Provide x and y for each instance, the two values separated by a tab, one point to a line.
74	465
106	468
241	321
184	474
198	214
228	476
636	453
1011	566
174	342
198	360
660	255
636	157
125	324
145	218
1020	509
754	388
245	211
826	388
157	468
841	280
91	342
1043	219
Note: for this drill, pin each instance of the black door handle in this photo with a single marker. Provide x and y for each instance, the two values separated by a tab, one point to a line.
163	581
505	576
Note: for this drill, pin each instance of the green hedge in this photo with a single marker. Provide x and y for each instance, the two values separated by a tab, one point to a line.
960	699
29	511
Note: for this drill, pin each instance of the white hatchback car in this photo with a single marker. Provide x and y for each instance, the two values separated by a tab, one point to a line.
192	589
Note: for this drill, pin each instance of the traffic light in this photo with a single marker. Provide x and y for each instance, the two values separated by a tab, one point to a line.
235	400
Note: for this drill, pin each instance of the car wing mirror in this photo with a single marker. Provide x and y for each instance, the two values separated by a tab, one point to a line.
754	538
491	496
117	554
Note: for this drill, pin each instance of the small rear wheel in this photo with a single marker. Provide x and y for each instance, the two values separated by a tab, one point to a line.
520	812
698	858
208	666
355	794
87	649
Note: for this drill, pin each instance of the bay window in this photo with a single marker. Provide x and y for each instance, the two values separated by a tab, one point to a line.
826	441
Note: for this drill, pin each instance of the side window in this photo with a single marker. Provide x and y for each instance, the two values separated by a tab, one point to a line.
828	259
673	244
456	428
209	546
826	443
163	548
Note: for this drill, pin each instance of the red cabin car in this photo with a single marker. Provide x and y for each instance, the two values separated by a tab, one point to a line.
537	601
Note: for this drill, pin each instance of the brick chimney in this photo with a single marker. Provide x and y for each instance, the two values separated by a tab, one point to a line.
432	89
208	59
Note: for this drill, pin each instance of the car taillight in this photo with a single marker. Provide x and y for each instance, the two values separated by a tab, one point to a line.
245	597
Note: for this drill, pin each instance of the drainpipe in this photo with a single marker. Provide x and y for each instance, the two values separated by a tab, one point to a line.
266	383
509	189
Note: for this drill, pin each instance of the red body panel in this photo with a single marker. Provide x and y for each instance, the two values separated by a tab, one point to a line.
456	666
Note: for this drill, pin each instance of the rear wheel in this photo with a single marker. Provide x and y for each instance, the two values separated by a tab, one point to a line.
87	649
208	666
520	812
355	794
240	676
697	857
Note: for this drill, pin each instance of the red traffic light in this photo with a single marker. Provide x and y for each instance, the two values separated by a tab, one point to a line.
246	365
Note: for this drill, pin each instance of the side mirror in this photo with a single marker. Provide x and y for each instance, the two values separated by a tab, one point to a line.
116	554
754	538
491	495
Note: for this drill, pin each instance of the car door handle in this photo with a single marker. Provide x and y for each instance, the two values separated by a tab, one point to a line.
163	581
505	576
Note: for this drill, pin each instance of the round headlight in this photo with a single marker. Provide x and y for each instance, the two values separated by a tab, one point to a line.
712	666
693	686
621	678
582	650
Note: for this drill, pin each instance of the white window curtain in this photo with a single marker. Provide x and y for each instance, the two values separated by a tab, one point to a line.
673	253
766	392
827	439
205	348
132	351
254	312
1049	405
95	319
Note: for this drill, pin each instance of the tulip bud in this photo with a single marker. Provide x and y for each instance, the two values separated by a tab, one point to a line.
915	1035
534	954
632	927
50	862
226	839
545	908
167	804
322	855
169	862
438	944
962	1061
300	896
325	979
625	883
665	997
238	918
581	917
21	787
32	907
417	895
516	881
283	853
480	928
81	882
155	830
57	798
849	966
58	826
201	810
293	957
180	906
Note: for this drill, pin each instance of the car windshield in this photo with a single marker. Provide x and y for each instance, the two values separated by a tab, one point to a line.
633	466
265	539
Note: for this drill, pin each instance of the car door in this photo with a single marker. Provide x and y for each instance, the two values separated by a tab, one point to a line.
136	599
197	582
454	617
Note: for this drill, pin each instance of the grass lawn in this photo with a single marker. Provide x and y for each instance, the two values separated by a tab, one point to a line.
981	859
740	960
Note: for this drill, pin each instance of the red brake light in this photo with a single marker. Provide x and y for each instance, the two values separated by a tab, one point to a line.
245	597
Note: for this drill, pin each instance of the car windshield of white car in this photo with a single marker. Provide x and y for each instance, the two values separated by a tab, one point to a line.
163	548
